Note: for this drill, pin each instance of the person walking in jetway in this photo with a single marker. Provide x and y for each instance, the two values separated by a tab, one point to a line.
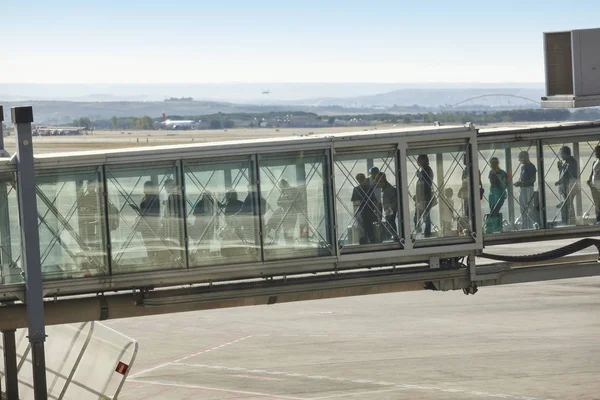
173	214
250	206
424	199
447	212
292	205
149	212
89	206
374	187
526	182
389	200
205	218
497	195
567	183
594	183
232	204
464	194
365	205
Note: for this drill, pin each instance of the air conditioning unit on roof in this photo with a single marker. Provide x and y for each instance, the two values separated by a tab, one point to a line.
572	61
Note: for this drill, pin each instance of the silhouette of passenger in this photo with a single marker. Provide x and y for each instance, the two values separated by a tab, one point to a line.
526	182
365	203
498	183
205	218
389	200
292	204
232	204
374	187
447	212
89	206
149	223
567	168
249	206
173	212
594	183
424	195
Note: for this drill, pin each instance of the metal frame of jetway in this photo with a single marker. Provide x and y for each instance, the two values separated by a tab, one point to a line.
405	250
98	232
397	251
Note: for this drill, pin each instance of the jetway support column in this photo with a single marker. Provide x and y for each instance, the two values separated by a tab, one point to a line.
10	364
22	117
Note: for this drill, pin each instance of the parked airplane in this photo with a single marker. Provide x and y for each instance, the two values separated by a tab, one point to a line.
175	124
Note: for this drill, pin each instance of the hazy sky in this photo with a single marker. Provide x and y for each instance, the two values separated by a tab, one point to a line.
125	41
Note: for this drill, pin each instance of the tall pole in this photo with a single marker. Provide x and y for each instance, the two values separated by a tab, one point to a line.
22	117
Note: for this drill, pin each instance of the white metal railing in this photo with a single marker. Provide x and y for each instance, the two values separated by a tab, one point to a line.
83	361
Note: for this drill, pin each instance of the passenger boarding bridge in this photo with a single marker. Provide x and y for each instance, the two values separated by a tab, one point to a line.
273	220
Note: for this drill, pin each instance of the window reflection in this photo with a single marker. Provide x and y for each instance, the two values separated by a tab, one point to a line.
361	180
571	194
145	214
222	213
592	189
296	217
72	227
440	189
509	180
10	234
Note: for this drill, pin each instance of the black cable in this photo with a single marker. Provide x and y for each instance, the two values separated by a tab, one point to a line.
549	255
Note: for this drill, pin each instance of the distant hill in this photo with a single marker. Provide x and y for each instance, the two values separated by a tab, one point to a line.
396	101
61	112
227	92
433	98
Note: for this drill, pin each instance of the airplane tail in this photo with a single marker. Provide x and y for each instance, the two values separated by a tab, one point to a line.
164	116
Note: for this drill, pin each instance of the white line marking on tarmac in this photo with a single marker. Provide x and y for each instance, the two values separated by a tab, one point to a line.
398	386
212	349
178	385
189	356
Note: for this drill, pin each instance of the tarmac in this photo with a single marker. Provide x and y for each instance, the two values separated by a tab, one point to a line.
535	341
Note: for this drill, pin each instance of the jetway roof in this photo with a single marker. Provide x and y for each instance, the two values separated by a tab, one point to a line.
235	147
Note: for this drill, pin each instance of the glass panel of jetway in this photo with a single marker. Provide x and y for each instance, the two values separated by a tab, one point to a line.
145	215
222	212
439	190
10	234
509	178
366	199
571	191
592	187
71	223
296	222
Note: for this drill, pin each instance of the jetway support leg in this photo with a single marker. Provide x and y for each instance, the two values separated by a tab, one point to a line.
10	364
22	117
